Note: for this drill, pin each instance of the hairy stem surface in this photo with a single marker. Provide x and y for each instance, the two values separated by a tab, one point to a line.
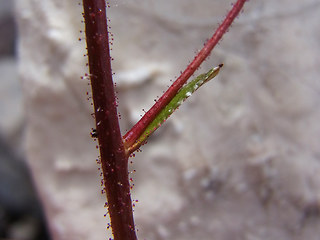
113	158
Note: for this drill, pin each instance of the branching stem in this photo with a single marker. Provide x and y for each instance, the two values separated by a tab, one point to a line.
132	135
112	146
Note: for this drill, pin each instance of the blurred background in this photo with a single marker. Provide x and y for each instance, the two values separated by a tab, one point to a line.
21	214
239	160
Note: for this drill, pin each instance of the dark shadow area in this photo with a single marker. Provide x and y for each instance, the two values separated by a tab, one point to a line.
20	211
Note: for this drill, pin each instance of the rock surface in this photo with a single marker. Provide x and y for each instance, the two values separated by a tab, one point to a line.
240	159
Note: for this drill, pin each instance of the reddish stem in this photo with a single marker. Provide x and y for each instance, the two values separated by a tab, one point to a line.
135	132
113	158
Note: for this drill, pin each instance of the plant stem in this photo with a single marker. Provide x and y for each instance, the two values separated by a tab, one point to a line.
132	135
113	158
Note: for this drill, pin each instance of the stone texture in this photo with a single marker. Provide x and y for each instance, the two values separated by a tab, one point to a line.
240	159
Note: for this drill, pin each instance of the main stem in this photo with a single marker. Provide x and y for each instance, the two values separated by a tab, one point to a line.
113	158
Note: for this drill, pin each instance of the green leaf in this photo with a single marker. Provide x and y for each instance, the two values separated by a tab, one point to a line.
184	93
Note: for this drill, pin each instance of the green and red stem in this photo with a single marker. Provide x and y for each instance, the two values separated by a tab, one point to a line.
185	92
135	132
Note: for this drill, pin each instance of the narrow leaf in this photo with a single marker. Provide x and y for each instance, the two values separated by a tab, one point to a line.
184	93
